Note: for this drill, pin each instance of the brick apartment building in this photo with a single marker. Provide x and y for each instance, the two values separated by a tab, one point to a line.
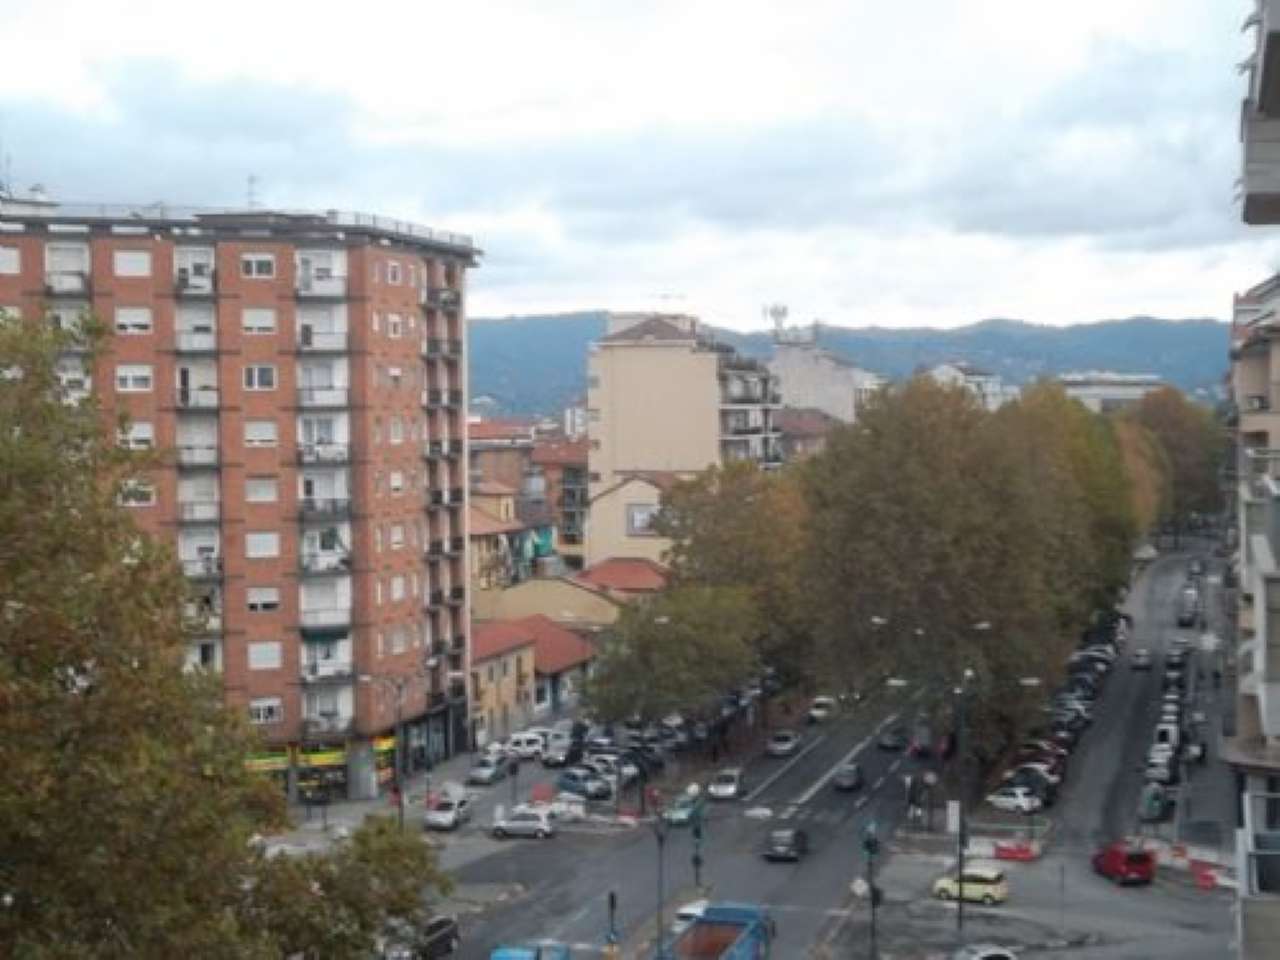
307	372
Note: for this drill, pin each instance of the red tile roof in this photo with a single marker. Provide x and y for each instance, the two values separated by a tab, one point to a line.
627	574
482	524
496	637
564	452
500	430
558	648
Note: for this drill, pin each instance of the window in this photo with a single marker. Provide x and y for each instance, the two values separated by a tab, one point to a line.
395	376
377	593
263	599
640	519
393	272
133	378
133	320
593	381
137	493
396	480
398	640
258	266
258	320
397	536
10	261
264	655
395	326
395	430
260	377
397	587
261	490
373	320
266	710
260	546
413	278
259	433
139	436
377	539
131	263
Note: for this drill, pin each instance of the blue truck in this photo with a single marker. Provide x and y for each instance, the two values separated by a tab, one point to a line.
727	931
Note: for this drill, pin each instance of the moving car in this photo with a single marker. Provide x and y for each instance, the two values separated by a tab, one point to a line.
562	753
525	746
1015	800
848	776
783	743
978	884
525	822
1123	863
585	783
681	810
449	812
895	738
487	769
785	844
727	784
822	708
1141	659
686	915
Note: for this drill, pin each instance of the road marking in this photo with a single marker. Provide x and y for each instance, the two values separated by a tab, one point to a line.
823	780
758	813
877	785
862	802
788	813
784	768
893	767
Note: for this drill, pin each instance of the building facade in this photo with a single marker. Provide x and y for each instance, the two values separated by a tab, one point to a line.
1105	392
664	399
307	373
813	377
562	465
992	392
502	678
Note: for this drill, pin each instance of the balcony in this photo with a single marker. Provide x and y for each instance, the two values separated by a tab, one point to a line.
322	397
454	398
327	725
435	600
327	562
197	398
198	456
199	511
324	508
453	449
316	453
204	618
321	285
326	671
458	690
188	284
435	548
196	341
66	283
433	347
202	568
434	450
457	496
457	545
435	499
325	618
315	341
453	349
732	430
434	398
457	596
441	298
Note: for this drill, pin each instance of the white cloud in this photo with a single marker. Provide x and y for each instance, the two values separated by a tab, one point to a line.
866	162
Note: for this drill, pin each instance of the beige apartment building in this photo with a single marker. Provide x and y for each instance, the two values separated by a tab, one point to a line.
1254	749
306	373
665	401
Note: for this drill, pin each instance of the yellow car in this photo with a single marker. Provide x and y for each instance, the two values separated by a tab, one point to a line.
981	885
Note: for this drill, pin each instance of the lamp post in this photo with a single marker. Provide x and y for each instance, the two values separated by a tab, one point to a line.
962	837
660	834
396	683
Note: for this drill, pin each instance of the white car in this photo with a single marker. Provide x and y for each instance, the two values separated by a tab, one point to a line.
526	746
1015	800
1043	769
783	743
727	784
686	915
822	708
449	812
525	822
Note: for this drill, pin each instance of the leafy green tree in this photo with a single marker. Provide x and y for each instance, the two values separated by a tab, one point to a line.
678	652
126	811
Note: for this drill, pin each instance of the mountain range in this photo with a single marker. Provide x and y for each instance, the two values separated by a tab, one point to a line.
537	364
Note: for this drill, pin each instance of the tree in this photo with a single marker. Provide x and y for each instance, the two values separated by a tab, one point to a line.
1193	446
1148	470
126	809
680	651
740	526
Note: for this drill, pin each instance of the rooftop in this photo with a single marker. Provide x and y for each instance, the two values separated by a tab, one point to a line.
497	637
481	523
558	648
509	430
1109	377
626	574
654	328
567	453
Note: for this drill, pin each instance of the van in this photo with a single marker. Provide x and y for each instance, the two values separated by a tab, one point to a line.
526	746
1125	864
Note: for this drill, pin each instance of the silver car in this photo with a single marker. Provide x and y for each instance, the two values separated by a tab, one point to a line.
448	813
486	770
783	743
524	822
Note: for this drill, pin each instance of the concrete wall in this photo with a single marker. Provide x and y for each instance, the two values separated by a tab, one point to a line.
811	377
607	531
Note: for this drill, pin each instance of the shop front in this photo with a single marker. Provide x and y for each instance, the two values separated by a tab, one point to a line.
321	773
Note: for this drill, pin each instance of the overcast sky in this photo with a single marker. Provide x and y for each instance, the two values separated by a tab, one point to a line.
864	162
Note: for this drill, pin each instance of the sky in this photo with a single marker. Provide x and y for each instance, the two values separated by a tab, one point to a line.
864	163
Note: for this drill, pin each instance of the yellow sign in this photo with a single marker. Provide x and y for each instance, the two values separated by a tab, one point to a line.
384	743
267	762
322	758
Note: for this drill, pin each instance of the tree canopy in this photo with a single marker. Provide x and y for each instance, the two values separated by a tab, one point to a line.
126	810
1193	444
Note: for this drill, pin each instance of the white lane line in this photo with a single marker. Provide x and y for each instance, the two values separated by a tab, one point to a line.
823	780
861	802
893	767
784	768
877	785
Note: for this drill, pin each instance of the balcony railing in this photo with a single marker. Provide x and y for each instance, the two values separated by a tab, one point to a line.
435	598
434	398
457	496
442	298
435	548
196	341
327	562
199	511
454	398
454	448
436	498
433	347
315	726
434	450
458	690
202	568
453	348
324	453
1257	402
314	341
66	283
197	398
457	595
198	456
187	285
325	617
457	545
324	508
319	671
311	285
322	396
204	620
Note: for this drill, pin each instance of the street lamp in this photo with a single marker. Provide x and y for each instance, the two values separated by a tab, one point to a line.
660	834
396	683
960	693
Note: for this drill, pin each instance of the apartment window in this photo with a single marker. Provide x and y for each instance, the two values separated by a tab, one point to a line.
395	326
394	273
395	430
137	493
263	599
264	655
258	320
258	266
10	261
413	584
396	376
133	378
266	710
139	436
398	640
377	593
132	320
397	587
640	519
261	490
413	275
377	539
396	480
259	433
131	263
397	536
262	545
260	377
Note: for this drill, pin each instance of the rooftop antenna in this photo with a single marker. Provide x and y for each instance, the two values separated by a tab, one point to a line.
253	191
6	172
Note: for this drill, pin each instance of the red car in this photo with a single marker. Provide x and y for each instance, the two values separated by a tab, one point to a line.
1123	863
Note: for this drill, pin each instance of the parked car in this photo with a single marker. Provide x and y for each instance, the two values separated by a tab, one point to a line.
782	743
526	746
788	843
848	776
978	884
895	738
1123	863
680	811
1161	772
1043	768
525	822
448	812
1015	799
686	915
822	708
983	951
1035	781
487	769
727	784
585	783
439	937
562	754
